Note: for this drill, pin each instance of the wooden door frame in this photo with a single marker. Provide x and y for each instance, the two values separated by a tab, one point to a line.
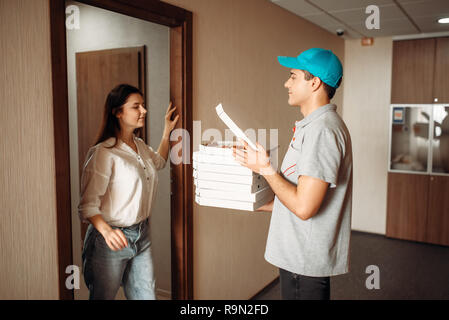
180	22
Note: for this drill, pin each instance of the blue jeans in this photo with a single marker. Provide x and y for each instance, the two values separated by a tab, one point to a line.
106	270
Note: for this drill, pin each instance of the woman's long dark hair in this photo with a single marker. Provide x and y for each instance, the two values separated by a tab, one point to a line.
115	100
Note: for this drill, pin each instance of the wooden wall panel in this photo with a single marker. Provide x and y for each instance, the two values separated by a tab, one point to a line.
438	211
407	206
28	229
413	70
441	83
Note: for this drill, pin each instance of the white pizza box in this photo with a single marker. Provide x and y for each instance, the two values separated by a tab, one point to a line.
215	159
223	149
219	148
234	195
224	177
232	204
227	186
222	168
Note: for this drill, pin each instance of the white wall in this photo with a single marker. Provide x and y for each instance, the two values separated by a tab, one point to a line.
101	29
366	101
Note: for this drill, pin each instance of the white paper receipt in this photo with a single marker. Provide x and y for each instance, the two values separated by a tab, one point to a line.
231	125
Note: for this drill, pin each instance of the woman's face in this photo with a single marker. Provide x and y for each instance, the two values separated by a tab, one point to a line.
133	112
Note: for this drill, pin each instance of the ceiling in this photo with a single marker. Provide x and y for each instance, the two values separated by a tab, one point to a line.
397	17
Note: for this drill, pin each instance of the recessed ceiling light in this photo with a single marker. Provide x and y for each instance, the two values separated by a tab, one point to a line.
443	20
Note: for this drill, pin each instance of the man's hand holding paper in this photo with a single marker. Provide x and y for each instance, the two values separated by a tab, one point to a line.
256	160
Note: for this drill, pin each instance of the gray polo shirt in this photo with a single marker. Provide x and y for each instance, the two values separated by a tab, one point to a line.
319	246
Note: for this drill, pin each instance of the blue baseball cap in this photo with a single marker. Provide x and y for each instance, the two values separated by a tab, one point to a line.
322	63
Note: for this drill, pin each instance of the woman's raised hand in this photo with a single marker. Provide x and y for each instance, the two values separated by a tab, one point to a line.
170	124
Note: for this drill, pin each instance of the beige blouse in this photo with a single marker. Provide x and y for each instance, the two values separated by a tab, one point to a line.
119	183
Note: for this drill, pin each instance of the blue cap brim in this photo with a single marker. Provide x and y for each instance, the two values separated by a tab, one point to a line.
289	62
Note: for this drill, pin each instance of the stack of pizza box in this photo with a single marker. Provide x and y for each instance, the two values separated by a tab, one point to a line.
222	182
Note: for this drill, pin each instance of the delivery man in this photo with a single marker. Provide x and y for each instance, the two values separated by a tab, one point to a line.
309	234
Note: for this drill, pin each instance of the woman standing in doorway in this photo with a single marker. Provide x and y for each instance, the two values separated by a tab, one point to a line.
118	187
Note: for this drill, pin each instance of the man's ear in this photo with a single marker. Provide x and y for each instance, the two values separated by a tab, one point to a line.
316	83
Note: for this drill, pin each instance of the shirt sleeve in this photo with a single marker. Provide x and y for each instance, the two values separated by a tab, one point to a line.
158	160
95	178
321	156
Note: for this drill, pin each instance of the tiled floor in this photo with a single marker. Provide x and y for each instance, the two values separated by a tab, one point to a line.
408	270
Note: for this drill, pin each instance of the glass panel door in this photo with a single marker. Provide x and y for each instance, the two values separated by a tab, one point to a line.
409	145
440	141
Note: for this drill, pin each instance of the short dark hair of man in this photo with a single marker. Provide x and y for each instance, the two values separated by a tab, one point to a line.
329	90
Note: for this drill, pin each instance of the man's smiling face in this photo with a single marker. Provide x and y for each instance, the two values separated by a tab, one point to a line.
299	89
